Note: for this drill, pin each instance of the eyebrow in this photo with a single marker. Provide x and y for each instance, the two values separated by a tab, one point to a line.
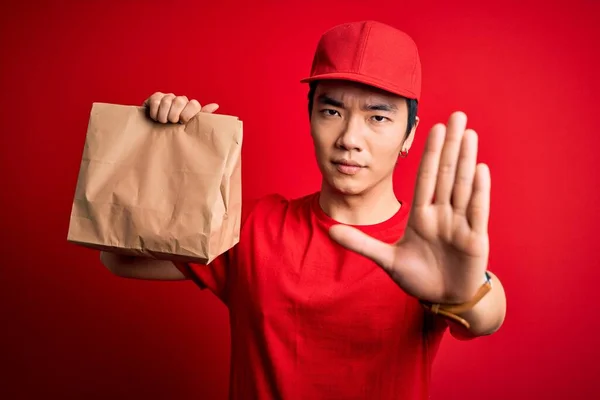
387	107
326	100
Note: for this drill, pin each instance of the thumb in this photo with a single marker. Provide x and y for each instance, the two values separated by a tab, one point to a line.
365	245
210	108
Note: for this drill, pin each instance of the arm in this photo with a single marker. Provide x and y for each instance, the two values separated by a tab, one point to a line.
444	253
140	267
486	317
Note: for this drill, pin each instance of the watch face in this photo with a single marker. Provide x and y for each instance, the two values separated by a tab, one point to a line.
488	278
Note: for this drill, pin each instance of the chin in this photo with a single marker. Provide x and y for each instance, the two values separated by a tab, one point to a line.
347	186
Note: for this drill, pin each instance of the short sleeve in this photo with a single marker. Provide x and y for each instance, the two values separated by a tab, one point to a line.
214	276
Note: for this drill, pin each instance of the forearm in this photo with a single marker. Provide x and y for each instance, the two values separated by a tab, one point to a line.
140	267
486	317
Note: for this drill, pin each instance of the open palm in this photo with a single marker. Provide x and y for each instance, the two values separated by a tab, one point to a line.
443	253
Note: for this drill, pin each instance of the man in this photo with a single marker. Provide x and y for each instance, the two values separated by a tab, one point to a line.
346	293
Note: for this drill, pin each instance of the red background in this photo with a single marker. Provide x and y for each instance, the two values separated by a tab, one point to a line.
525	75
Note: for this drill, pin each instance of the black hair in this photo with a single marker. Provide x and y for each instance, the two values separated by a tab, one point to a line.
412	105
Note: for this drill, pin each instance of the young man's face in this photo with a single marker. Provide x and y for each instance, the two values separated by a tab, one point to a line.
358	133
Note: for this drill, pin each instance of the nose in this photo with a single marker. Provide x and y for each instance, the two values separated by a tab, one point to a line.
351	136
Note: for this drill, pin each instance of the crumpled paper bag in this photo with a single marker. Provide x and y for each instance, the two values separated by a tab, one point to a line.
165	191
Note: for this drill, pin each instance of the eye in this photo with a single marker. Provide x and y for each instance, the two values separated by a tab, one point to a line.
328	112
379	118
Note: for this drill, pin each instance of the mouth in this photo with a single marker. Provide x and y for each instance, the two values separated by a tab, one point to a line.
347	167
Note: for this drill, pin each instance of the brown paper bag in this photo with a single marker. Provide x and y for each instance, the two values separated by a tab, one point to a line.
166	191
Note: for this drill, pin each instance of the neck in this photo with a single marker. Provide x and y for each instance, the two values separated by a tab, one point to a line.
374	206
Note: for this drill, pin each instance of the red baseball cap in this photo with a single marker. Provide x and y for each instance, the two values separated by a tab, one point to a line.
371	53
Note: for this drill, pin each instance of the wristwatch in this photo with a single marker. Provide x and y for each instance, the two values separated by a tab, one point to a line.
450	311
488	278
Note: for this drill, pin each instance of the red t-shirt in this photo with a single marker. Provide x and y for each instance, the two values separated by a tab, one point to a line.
312	320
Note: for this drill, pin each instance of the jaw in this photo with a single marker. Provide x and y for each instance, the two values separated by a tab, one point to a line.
346	185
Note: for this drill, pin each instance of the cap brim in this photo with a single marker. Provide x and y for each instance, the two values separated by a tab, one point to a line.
377	83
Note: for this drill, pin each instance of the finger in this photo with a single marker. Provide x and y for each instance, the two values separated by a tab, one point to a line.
478	213
363	244
447	169
210	108
177	106
465	173
164	108
191	109
152	104
427	175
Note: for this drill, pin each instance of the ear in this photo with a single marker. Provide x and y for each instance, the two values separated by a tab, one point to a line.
411	136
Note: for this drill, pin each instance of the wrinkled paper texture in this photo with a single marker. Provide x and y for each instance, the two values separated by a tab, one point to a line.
166	191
